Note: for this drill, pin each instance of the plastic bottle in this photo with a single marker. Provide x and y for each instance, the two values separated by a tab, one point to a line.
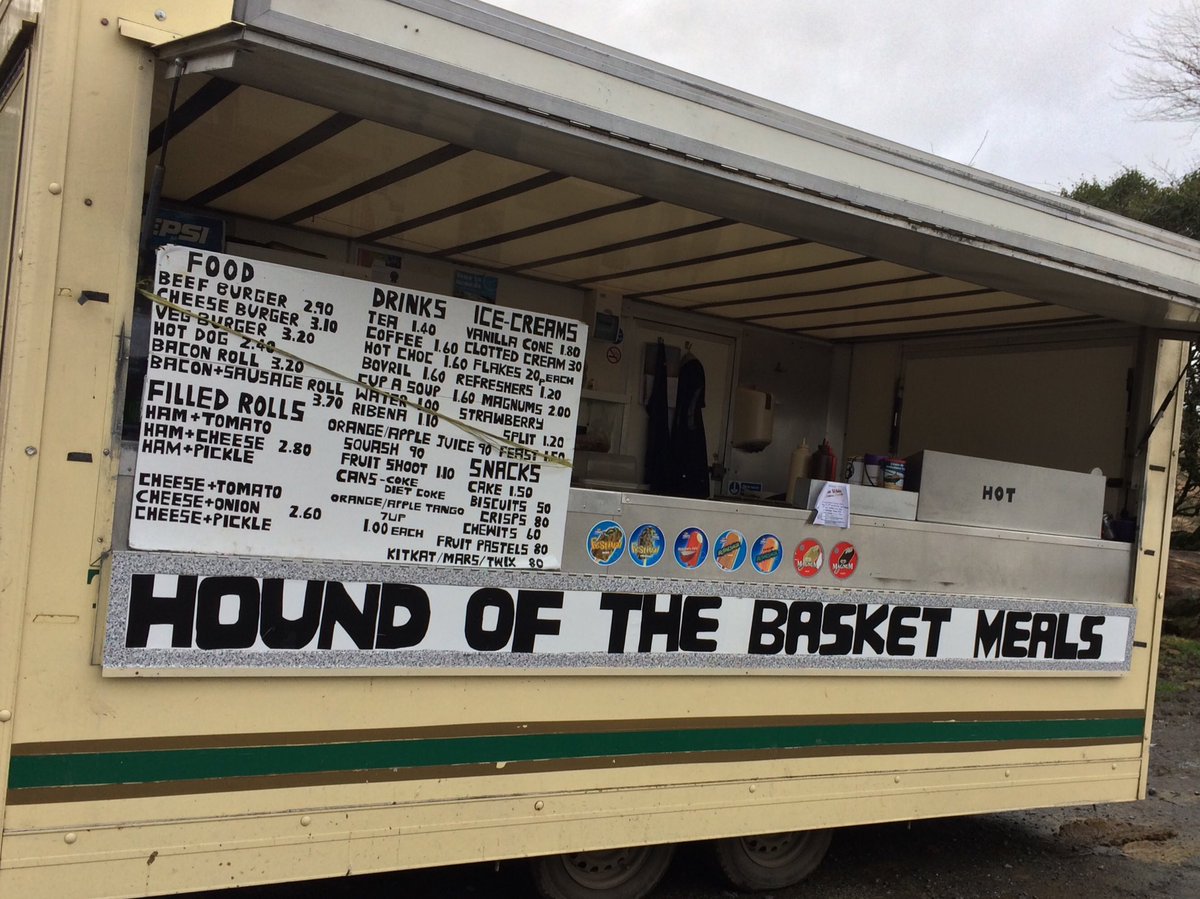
824	466
799	468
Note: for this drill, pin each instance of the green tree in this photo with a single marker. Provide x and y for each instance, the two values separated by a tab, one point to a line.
1173	205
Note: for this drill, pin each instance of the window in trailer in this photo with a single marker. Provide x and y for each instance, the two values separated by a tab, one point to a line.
818	344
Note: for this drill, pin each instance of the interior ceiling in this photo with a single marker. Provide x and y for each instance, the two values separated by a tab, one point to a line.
239	150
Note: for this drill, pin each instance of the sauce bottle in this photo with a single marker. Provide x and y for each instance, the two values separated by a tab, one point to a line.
824	466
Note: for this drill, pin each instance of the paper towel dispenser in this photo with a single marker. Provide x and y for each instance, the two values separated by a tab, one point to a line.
753	419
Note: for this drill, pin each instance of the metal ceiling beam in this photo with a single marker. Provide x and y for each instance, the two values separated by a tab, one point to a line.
383	180
982	291
630	244
751	279
487	199
818	292
557	224
297	146
199	104
687	263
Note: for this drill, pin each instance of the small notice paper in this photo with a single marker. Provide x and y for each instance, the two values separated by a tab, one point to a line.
833	506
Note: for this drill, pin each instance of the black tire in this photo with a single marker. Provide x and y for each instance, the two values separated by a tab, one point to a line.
771	861
601	874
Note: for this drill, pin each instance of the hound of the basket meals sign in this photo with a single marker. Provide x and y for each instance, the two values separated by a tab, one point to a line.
301	415
206	614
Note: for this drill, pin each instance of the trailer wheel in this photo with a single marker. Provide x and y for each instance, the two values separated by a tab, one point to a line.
602	874
771	861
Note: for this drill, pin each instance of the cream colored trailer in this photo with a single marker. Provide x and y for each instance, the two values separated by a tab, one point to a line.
450	144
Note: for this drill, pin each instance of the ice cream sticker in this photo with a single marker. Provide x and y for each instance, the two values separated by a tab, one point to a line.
843	560
691	548
766	553
729	552
646	545
808	558
605	542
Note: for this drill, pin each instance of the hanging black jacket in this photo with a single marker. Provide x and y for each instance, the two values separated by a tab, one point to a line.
689	451
658	428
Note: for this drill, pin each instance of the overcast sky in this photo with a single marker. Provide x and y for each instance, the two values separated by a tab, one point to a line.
1034	81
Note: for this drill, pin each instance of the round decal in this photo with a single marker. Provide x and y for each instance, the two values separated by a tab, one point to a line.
614	354
646	545
729	550
808	558
605	542
691	548
766	553
843	560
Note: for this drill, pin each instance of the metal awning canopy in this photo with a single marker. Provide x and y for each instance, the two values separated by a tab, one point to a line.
454	130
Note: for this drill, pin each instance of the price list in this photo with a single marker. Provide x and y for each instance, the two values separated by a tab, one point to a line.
295	414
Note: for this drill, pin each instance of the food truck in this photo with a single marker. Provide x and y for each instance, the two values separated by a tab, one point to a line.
409	421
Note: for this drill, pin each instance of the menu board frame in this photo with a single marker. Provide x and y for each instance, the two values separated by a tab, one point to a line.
297	414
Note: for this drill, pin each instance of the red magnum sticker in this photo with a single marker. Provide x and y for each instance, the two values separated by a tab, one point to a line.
808	558
844	560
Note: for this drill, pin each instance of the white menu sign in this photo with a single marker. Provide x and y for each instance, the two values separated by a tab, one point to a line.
441	443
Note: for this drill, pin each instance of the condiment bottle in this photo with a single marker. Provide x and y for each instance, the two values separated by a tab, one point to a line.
824	462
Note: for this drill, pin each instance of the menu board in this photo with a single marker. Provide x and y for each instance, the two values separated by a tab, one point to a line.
296	414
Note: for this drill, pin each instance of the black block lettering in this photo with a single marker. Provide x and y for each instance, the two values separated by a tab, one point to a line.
1041	635
766	627
529	623
833	625
1016	634
935	618
665	622
240	633
340	610
1091	642
476	631
866	629
413	600
620	604
279	632
695	624
1064	648
804	620
988	634
146	608
899	631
